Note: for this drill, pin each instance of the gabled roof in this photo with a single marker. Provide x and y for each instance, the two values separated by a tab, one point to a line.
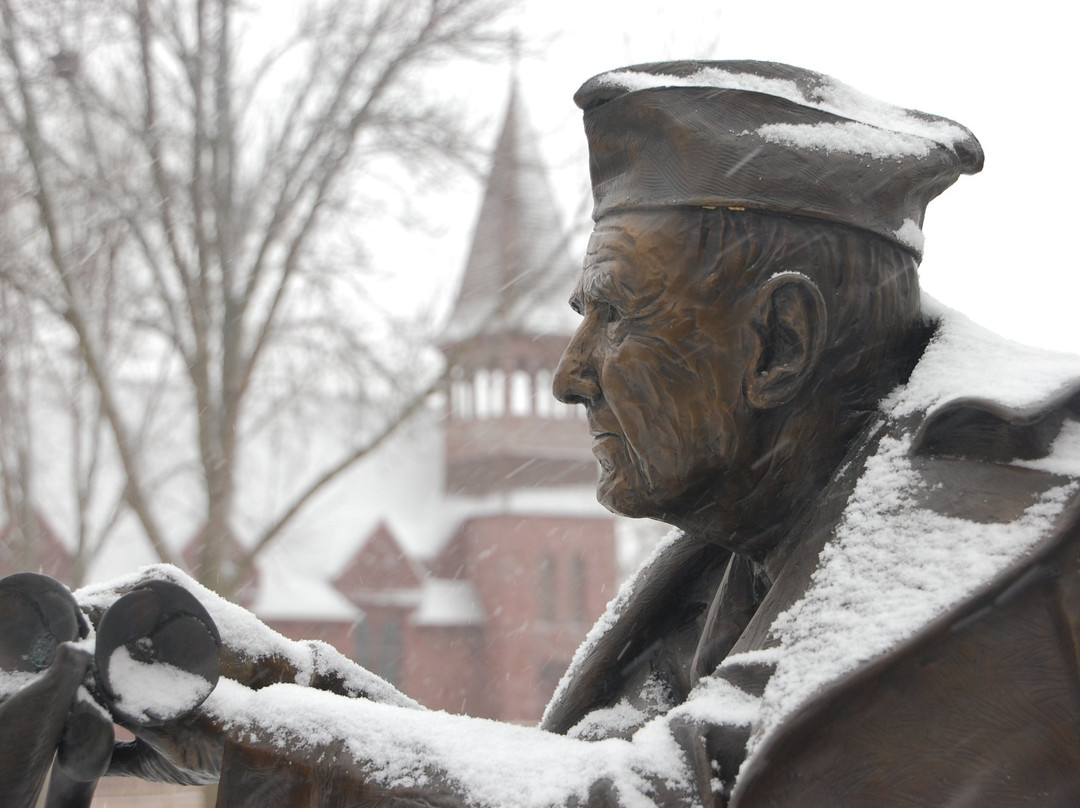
519	273
380	567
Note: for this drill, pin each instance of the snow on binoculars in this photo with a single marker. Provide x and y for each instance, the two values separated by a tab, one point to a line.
155	649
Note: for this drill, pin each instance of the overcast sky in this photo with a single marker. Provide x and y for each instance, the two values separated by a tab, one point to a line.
998	244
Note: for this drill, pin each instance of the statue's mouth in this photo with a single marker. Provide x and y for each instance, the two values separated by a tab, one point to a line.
605	446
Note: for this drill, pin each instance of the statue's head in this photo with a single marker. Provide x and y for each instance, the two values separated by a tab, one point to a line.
749	291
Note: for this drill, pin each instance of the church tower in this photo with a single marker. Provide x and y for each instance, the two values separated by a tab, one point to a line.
509	326
535	549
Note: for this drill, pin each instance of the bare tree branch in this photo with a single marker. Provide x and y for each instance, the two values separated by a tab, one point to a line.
186	181
32	140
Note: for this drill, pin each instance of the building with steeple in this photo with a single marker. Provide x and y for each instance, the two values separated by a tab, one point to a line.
508	328
489	623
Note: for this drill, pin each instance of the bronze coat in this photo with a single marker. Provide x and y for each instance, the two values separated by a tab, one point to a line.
980	708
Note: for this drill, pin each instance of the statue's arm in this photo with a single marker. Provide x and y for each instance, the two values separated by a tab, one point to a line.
189	750
277	730
294	747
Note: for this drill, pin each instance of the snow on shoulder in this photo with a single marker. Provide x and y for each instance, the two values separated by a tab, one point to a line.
965	361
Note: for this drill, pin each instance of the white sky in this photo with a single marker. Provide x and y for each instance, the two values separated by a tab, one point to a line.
997	243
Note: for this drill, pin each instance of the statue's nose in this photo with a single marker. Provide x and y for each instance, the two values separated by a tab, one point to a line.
576	380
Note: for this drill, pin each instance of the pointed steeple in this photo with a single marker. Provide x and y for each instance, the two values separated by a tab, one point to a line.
519	272
504	429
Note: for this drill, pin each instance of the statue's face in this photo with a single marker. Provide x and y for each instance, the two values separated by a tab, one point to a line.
658	362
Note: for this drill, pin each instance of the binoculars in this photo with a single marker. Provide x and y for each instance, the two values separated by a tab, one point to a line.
153	658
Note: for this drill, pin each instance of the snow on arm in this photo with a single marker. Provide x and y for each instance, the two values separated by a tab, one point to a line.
481	762
239	629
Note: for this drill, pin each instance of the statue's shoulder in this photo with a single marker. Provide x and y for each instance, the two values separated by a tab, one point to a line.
977	396
962	531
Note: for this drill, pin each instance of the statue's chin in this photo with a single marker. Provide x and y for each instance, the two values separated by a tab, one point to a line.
617	497
621	496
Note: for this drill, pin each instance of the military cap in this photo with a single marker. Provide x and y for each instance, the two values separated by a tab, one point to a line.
767	136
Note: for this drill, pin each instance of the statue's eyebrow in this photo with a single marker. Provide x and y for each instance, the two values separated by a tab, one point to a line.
578	296
627	293
601	287
575	300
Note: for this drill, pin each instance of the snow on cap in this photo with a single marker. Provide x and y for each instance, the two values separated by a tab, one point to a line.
767	136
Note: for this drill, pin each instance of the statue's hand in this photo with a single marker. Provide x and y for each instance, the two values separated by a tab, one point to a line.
44	710
186	751
34	709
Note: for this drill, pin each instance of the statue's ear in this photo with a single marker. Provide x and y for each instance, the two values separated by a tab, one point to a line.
791	326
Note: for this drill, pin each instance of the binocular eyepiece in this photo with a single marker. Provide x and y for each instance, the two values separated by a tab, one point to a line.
155	652
154	659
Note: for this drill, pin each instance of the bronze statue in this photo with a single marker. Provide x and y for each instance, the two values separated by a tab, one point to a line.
872	595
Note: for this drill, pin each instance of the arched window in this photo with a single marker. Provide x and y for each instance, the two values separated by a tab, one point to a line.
482	396
520	393
543	400
497	392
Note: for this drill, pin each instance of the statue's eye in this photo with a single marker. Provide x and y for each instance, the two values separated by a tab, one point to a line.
606	313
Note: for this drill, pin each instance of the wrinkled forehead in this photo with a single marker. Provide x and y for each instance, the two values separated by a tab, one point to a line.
668	247
647	237
638	254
